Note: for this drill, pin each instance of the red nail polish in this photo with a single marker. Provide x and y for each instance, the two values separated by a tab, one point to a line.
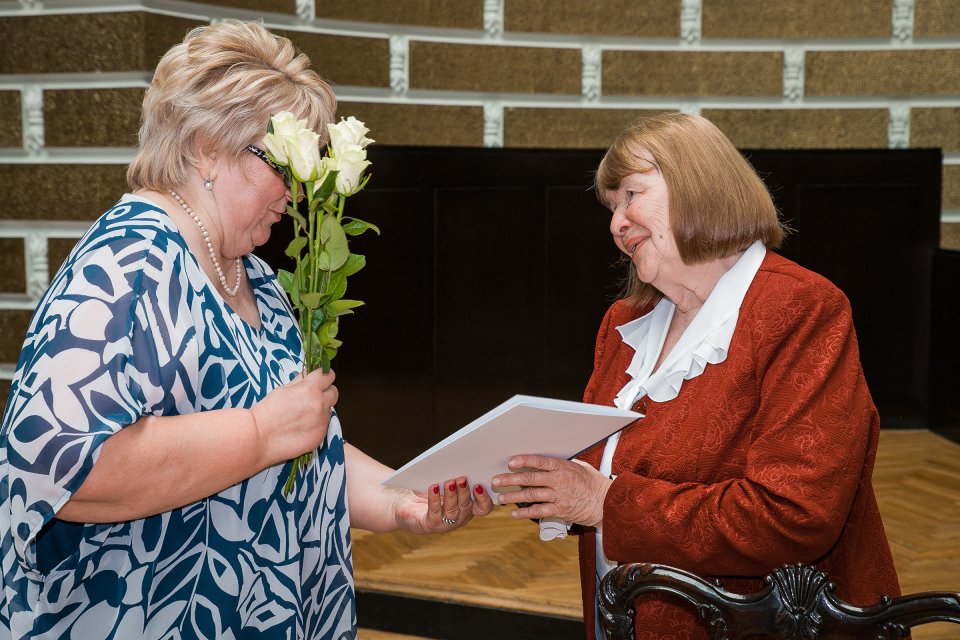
479	490
463	484
436	489
452	487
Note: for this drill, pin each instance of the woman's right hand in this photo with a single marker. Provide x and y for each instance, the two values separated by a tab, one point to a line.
293	419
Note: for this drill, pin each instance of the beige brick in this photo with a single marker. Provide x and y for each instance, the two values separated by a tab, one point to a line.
935	127
275	6
345	60
4	393
802	128
950	235
638	18
936	18
417	124
456	14
792	19
57	251
468	67
11	120
12	270
671	73
566	128
83	42
92	117
13	329
882	73
59	191
950	190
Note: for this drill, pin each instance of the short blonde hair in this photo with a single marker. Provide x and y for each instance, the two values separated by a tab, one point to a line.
718	204
215	91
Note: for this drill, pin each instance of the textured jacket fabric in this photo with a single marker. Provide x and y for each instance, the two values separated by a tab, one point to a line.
764	459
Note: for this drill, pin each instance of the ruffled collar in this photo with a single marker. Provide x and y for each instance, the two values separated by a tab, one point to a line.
704	342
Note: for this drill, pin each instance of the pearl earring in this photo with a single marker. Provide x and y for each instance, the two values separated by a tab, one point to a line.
208	184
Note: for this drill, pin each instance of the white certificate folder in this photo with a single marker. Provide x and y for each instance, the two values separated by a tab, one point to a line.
522	424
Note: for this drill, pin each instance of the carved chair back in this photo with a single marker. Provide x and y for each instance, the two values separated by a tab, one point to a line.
797	603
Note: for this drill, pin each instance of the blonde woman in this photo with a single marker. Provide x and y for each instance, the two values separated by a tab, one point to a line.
157	401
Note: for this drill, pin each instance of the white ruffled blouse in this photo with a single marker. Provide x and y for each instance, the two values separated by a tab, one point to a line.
704	342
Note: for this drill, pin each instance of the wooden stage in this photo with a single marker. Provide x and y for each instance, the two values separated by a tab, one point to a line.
495	578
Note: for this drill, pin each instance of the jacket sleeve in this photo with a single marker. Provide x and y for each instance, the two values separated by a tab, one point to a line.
805	450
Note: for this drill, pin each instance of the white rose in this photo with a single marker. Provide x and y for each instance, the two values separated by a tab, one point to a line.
352	162
304	153
348	132
283	124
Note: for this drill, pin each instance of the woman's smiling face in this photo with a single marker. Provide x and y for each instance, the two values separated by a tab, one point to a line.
640	225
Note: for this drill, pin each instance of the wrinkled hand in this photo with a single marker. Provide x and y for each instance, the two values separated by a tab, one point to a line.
443	508
293	419
569	490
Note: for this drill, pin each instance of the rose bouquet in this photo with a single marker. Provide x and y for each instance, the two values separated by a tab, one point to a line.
320	248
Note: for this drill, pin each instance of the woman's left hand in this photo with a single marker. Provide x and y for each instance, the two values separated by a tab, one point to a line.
554	488
444	507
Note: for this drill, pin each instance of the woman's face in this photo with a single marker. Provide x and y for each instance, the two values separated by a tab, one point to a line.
641	226
252	197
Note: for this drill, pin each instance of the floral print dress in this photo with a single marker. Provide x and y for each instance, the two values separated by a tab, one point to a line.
130	327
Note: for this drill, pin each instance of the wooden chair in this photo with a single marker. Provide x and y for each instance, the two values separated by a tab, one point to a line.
797	603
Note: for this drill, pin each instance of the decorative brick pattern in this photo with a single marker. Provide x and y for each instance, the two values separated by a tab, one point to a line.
11	120
931	127
468	67
792	19
59	191
92	118
802	128
950	192
455	14
566	128
680	73
13	329
12	266
83	42
57	251
345	60
936	18
882	73
637	18
950	235
419	124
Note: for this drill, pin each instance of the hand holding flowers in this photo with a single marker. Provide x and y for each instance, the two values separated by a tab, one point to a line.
320	247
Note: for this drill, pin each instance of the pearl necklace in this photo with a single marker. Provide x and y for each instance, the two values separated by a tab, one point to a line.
213	255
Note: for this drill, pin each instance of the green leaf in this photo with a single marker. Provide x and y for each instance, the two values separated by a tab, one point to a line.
353	264
310	300
318	317
329	183
336	287
287	281
298	217
343	307
355	226
335	243
295	248
323	260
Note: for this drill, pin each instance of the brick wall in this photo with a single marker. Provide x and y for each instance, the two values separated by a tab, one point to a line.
513	73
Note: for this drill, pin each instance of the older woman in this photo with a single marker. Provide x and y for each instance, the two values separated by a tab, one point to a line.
157	404
760	434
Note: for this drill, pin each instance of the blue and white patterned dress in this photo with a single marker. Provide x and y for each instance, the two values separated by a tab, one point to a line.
131	326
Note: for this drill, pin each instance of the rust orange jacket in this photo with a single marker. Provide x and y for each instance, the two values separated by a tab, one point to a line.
764	459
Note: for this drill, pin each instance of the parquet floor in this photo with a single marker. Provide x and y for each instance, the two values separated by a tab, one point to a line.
499	562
